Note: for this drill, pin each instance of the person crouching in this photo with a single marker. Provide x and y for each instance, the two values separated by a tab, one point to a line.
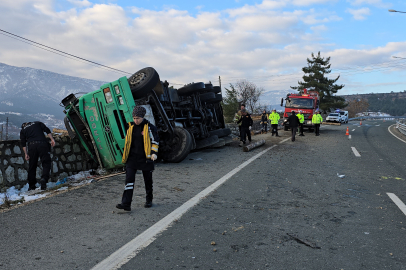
140	152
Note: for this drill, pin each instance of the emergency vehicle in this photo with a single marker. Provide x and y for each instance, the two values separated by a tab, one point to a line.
307	103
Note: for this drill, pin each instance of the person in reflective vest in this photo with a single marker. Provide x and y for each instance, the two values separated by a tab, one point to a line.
274	118
316	121
140	152
237	118
301	122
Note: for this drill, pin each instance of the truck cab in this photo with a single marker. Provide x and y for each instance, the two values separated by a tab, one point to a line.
307	103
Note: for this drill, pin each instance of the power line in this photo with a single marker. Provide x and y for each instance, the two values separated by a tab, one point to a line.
59	51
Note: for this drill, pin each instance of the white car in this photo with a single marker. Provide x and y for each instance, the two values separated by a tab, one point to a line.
334	117
344	116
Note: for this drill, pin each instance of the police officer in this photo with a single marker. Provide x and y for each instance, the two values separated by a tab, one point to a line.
264	121
32	133
301	121
246	123
317	120
274	118
237	117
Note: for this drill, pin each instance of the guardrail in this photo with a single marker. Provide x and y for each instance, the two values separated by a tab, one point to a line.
377	117
401	127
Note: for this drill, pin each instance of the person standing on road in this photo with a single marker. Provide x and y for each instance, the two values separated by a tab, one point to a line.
264	121
140	152
301	121
293	124
274	118
237	117
246	124
32	133
317	120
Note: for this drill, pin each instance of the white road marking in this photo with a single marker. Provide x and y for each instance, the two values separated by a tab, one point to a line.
395	135
398	202
349	137
353	129
130	250
284	140
355	152
377	125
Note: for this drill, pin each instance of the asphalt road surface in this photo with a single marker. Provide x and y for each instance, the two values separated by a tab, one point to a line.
280	206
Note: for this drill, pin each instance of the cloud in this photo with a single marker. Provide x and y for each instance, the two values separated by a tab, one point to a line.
80	3
359	14
376	3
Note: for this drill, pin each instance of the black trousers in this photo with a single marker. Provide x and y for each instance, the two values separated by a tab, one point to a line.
317	128
275	129
35	151
294	129
129	186
265	127
245	131
301	128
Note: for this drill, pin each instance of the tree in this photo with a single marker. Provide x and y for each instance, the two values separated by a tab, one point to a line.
357	106
248	93
230	104
315	79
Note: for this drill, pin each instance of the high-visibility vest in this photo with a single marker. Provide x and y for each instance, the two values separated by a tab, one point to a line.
301	117
317	119
274	117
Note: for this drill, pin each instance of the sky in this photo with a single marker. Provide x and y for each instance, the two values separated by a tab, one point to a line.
265	42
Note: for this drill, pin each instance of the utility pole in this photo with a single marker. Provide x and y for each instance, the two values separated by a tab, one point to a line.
7	129
220	82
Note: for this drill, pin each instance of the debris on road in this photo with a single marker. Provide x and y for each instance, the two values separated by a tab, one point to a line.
341	176
305	242
253	145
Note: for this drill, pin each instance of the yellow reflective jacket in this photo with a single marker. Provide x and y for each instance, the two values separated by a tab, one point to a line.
301	117
150	137
317	119
237	117
274	117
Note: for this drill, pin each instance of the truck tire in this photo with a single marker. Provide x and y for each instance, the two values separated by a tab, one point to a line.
207	142
142	82
208	87
216	99
191	88
181	144
207	96
221	132
216	89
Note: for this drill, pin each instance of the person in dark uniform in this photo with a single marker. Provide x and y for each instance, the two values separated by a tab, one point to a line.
246	123
32	133
264	121
293	123
140	152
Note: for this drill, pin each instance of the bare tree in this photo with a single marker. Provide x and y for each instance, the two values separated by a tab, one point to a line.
249	93
357	106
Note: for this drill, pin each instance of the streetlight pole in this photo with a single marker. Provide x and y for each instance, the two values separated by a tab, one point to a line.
392	10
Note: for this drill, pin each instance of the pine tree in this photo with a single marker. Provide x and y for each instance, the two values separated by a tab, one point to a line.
230	104
315	79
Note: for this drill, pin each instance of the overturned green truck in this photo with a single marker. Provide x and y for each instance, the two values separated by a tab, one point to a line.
187	118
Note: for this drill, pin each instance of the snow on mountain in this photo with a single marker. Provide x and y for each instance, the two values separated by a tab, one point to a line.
33	91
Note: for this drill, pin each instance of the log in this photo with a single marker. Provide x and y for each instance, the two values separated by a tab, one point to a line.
253	145
331	123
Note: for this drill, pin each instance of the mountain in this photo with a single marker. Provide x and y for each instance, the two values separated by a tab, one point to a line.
34	91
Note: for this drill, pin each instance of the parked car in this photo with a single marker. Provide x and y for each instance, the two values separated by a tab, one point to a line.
344	116
187	118
334	117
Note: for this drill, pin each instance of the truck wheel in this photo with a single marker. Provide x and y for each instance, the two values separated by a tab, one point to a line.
208	87
216	99
191	88
221	132
207	96
180	145
216	89
207	142
142	82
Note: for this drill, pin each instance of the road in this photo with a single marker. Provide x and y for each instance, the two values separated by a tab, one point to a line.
286	209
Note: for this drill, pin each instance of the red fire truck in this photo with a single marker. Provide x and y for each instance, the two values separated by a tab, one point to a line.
307	103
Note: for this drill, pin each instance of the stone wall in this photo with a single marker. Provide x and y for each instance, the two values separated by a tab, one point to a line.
68	157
